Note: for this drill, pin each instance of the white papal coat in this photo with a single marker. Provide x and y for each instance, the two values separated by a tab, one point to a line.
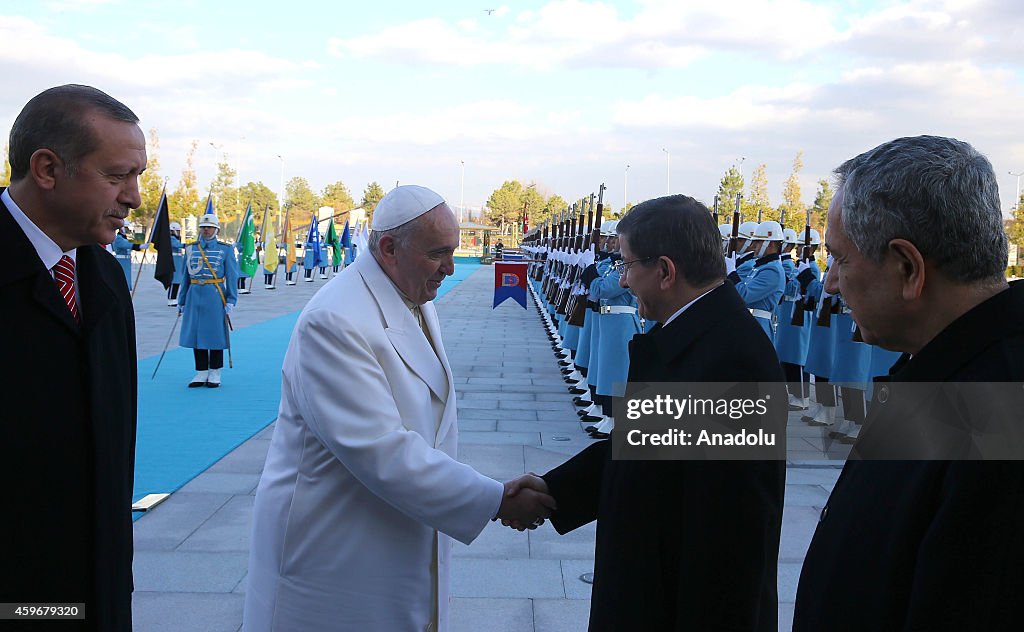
361	475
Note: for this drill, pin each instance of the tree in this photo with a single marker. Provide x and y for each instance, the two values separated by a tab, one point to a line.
371	195
336	196
791	201
504	204
5	177
819	211
260	195
185	199
151	185
225	194
554	204
757	202
730	185
1015	228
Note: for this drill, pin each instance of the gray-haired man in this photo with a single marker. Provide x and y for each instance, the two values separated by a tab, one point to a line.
920	255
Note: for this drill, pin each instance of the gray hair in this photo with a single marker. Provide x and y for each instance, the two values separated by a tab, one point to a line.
680	228
402	234
55	119
938	193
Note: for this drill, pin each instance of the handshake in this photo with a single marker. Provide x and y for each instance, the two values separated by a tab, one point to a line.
525	503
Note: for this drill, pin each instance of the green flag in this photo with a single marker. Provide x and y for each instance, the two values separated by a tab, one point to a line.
247	259
333	243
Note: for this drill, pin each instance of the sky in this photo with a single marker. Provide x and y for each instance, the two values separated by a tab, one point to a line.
646	97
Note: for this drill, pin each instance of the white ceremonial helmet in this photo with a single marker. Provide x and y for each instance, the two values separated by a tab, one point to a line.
608	228
726	231
746	230
769	231
175	226
815	237
790	236
209	220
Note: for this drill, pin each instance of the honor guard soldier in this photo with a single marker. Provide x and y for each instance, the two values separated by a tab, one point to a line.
791	340
309	260
178	258
764	286
851	362
208	294
619	322
123	251
745	254
322	262
820	352
584	353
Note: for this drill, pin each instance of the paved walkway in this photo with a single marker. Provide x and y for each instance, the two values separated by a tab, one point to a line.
514	416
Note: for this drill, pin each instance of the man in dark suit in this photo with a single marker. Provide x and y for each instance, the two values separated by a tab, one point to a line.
681	545
918	544
67	434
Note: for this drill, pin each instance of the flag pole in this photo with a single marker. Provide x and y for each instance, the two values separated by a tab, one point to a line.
149	239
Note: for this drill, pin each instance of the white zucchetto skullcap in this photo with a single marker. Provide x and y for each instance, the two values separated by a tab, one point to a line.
403	204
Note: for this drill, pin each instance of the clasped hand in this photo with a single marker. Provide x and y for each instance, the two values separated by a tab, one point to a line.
526	503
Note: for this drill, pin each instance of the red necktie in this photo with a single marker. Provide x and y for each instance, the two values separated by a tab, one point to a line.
64	275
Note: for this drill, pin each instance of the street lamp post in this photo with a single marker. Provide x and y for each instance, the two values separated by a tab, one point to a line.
280	201
625	186
668	171
462	190
216	147
1016	200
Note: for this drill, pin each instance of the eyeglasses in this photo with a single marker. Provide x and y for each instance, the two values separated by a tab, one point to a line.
622	267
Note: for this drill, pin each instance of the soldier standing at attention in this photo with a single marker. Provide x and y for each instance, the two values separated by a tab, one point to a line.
208	294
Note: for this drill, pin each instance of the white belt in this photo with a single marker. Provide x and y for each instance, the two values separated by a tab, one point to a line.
617	309
793	299
760	313
845	310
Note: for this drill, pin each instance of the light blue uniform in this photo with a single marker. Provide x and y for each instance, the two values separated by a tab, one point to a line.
791	342
615	332
851	361
308	256
178	257
744	265
763	289
590	321
123	251
819	348
203	325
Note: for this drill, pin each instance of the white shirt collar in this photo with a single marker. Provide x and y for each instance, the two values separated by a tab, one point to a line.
687	306
47	249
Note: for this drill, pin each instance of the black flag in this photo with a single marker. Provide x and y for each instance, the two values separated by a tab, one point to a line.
161	240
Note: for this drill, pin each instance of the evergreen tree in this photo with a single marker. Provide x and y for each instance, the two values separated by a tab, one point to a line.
791	201
819	211
371	195
728	187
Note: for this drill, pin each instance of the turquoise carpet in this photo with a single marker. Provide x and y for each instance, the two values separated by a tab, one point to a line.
184	431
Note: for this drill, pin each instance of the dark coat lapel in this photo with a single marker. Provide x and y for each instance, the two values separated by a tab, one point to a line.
24	262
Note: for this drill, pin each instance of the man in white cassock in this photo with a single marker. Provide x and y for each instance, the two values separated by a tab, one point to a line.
361	492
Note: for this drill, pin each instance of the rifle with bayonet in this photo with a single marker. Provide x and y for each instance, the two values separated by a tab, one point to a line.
735	239
573	245
715	211
578	302
805	256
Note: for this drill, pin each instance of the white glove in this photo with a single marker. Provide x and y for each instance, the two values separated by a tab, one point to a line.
804	265
228	307
730	264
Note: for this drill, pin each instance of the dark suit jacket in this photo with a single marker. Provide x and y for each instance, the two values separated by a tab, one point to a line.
927	545
67	435
683	545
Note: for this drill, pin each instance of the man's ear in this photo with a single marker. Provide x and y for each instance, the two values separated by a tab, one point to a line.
42	168
908	263
668	272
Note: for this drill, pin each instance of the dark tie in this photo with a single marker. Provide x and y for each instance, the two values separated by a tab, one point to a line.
64	275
